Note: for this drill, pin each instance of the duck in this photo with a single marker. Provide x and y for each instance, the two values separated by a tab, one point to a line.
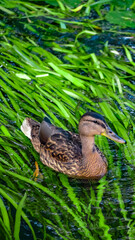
75	155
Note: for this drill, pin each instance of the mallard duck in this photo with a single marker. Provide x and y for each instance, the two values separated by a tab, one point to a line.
75	155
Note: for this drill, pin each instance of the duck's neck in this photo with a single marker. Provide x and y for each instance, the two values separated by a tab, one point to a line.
94	165
88	146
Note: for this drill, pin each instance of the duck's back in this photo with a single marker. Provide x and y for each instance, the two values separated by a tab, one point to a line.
58	149
63	146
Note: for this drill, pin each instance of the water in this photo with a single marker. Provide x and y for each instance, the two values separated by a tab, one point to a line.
106	208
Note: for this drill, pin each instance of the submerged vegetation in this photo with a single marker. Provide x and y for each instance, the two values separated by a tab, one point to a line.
48	67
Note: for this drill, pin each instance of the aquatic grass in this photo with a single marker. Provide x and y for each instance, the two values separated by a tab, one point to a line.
131	230
71	193
4	233
16	104
18	218
5	216
61	80
18	214
82	224
29	100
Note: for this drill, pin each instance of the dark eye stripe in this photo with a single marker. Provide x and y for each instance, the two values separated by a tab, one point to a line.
96	122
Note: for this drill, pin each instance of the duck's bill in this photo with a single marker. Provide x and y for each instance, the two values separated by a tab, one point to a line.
113	136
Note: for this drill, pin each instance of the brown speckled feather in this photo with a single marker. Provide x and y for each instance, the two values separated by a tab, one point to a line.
62	150
64	146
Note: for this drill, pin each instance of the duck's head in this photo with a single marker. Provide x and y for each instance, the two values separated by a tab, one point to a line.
92	124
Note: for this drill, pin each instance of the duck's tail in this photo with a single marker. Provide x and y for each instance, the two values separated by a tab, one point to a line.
26	128
31	129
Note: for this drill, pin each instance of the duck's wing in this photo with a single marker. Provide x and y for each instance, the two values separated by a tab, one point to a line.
59	144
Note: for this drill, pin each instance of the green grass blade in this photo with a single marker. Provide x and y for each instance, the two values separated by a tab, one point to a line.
18	218
5	216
